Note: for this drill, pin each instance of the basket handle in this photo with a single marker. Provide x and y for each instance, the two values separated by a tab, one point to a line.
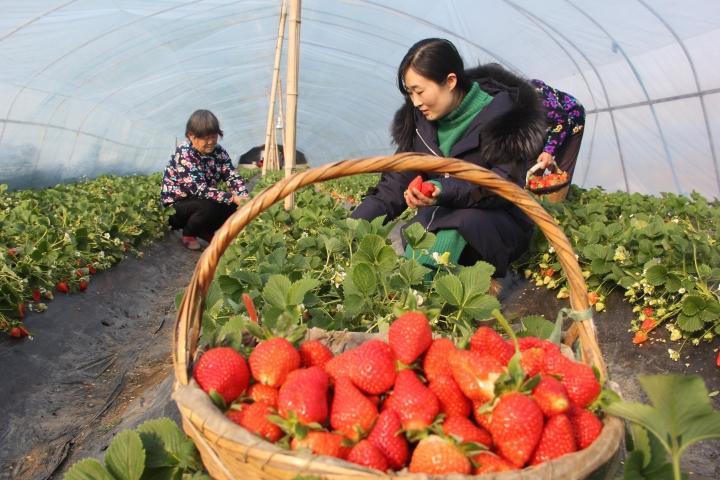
189	318
537	167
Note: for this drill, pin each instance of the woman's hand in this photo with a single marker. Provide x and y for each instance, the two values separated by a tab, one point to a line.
545	160
415	199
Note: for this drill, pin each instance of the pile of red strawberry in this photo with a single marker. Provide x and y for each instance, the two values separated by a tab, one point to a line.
548	180
412	402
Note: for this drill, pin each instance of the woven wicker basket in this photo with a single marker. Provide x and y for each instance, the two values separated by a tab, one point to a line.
230	452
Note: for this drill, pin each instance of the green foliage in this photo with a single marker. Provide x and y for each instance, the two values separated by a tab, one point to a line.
156	450
680	415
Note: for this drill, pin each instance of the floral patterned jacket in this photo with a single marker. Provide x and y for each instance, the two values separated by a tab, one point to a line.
565	115
190	174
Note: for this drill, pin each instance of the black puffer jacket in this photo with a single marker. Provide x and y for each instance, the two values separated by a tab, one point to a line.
503	137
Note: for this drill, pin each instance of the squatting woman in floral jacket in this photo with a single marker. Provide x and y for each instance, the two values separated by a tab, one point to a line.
191	179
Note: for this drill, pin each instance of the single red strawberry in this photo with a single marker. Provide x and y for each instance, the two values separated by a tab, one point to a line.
91	269
250	307
647	311
271	361
368	455
36	295
263	393
415	403
62	287
314	353
586	425
517	424
253	417
82	285
648	324
581	384
340	365
387	436
481	416
533	342
593	298
19	332
487	341
532	361
557	439
436	456
427	188
80	272
490	463
641	336
551	396
465	430
475	373
373	370
224	371
416	183
304	394
351	414
451	398
410	336
717	360
12	251
322	443
436	361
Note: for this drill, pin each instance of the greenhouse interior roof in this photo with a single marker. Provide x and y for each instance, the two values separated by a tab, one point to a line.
105	86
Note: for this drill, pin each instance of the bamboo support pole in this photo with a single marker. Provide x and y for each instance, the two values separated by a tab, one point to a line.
273	87
292	94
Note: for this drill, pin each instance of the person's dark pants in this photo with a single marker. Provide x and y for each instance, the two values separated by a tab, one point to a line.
566	156
200	217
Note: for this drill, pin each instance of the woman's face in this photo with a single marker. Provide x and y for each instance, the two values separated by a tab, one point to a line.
204	145
432	99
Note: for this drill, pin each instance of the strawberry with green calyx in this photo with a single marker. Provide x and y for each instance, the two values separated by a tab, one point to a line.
272	360
19	331
475	374
487	462
435	455
322	443
222	373
373	369
516	427
352	414
586	426
254	418
451	398
532	360
314	353
304	396
551	396
263	393
368	455
435	362
36	295
387	436
410	336
558	439
62	287
464	430
515	378
416	405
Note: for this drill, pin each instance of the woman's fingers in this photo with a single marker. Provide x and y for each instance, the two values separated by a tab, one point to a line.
415	199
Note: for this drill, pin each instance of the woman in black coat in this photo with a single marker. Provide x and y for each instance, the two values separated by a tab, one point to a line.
487	116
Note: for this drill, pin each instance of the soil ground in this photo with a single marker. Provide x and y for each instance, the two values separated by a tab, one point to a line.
100	363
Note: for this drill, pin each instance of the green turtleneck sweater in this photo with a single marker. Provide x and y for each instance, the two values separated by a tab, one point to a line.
454	125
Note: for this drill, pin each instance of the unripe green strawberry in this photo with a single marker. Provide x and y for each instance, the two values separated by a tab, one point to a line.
373	370
271	361
475	373
368	455
322	443
410	336
415	403
305	393
436	456
465	430
253	417
490	463
557	439
351	414
487	341
551	396
314	353
586	425
223	370
263	393
451	398
387	436
516	427
436	361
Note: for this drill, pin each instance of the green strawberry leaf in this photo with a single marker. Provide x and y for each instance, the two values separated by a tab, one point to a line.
536	326
167	446
299	289
88	469
275	291
125	458
363	277
450	288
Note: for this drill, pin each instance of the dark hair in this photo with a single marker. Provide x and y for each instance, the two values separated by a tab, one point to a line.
202	123
433	58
